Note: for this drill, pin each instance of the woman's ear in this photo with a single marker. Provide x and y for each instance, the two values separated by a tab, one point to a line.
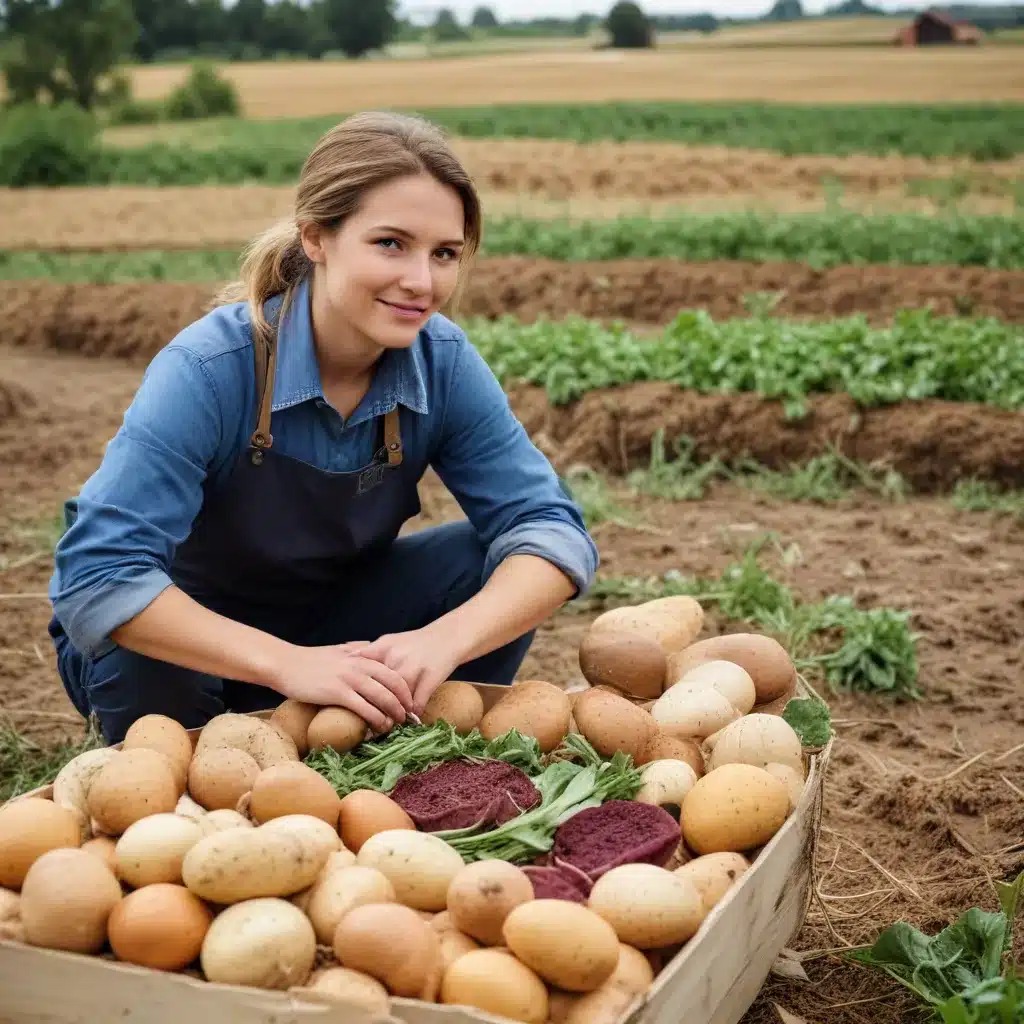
312	238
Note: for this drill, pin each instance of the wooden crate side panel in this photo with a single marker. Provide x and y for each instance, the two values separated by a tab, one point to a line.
42	986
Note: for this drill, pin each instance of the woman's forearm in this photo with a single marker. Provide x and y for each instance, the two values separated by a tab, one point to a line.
177	629
519	595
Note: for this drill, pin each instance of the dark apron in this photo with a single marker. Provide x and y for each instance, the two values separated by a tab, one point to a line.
278	531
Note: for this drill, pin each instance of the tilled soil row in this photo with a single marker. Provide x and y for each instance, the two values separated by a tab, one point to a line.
933	444
138	318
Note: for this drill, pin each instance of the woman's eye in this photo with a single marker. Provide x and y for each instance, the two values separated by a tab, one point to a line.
385	241
448	254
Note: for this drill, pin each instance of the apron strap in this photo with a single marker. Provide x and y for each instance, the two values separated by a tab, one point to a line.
393	437
266	366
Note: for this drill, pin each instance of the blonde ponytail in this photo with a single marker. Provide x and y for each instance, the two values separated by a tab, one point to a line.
273	263
363	152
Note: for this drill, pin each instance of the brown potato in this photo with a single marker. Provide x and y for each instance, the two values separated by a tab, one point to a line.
764	659
337	728
533	707
629	662
294	717
611	723
664	747
459	704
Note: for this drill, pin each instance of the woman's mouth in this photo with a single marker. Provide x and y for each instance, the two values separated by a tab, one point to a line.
407	312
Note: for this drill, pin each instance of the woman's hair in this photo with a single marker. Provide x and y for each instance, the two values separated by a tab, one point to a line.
364	151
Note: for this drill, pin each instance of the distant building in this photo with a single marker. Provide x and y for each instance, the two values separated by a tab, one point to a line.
930	28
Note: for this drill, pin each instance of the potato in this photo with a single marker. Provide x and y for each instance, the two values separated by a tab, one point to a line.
314	830
161	926
151	850
257	738
606	1005
11	928
338	728
713	875
777	706
391	943
561	1003
453	945
186	807
133	785
71	786
671	622
105	848
692	714
629	662
221	820
29	828
294	717
567	944
219	777
735	807
293	788
664	747
647	906
158	732
420	865
758	740
244	864
365	812
611	723
730	680
496	983
342	891
793	780
764	659
353	988
534	708
66	900
263	943
459	704
666	783
481	896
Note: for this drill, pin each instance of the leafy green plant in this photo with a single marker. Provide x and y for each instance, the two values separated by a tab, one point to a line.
50	146
204	94
959	972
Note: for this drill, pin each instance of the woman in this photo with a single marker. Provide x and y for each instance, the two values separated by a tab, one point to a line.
238	544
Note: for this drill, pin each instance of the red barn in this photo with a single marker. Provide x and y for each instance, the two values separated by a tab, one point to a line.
930	28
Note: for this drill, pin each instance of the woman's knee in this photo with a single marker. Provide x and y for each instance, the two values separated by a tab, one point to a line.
121	686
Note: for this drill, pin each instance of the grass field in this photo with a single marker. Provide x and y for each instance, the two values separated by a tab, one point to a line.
778	363
826	74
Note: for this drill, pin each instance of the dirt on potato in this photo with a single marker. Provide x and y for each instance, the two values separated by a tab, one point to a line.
920	805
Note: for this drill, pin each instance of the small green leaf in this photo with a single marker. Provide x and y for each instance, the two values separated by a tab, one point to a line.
810	720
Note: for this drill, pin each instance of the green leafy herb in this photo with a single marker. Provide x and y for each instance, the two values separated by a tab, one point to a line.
380	763
959	971
566	787
810	720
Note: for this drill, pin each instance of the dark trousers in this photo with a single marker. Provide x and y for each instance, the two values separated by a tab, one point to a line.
422	576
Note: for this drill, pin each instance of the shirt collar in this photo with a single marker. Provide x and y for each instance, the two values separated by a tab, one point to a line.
399	377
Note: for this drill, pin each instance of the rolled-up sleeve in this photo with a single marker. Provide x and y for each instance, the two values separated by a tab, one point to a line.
506	486
122	530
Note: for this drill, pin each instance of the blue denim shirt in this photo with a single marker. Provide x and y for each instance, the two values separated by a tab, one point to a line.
193	415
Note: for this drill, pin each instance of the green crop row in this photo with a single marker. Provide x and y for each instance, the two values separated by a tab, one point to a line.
819	239
920	356
980	132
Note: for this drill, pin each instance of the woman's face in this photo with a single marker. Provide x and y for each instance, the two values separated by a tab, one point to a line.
394	263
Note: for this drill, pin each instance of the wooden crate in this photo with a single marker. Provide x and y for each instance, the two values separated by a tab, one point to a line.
714	979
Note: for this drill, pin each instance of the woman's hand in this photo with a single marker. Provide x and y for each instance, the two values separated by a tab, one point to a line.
424	658
343	676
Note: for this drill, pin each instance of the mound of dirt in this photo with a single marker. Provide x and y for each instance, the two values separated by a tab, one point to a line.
134	320
931	443
14	399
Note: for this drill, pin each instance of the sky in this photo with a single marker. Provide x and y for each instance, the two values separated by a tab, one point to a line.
506	9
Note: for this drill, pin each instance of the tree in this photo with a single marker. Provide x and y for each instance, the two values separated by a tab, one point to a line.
447	28
628	26
358	26
62	51
483	17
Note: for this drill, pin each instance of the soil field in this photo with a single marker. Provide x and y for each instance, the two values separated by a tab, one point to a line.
136	319
826	74
920	802
531	177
